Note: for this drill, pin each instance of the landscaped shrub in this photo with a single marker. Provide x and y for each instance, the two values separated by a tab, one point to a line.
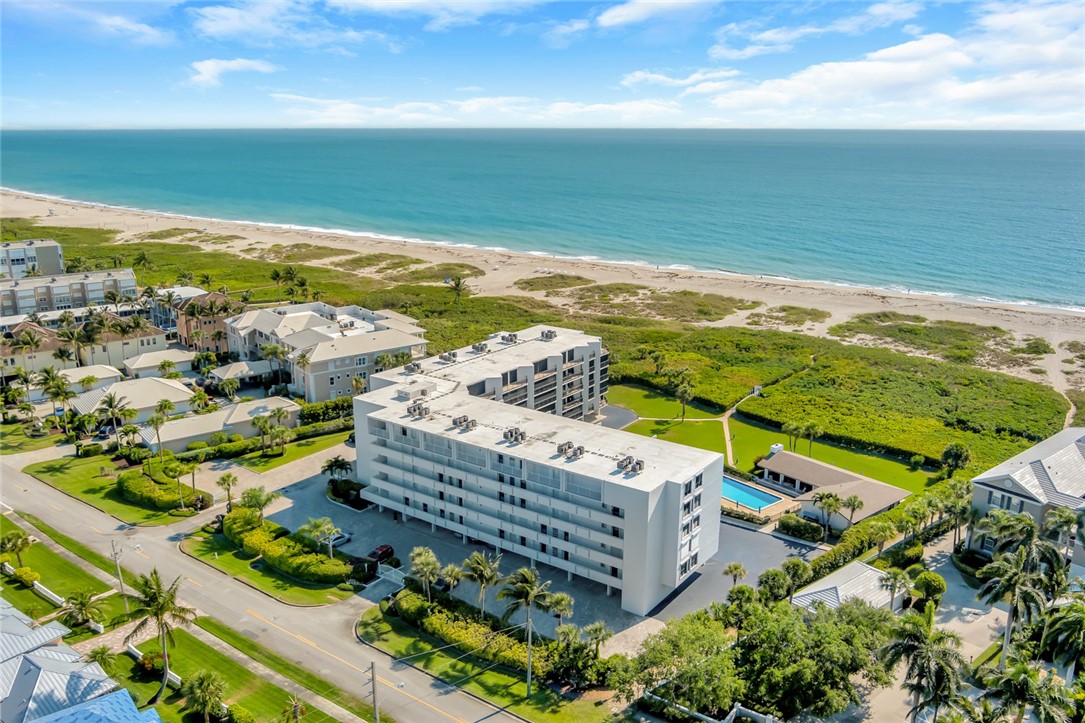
239	522
478	639
743	515
324	411
139	488
411	606
218	438
237	438
26	577
287	554
241	715
931	586
151	664
196	445
795	526
90	450
134	455
905	557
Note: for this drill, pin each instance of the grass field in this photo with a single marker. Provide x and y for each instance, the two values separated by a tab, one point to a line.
218	552
78	548
501	688
704	434
189	656
62	577
751	440
13	440
551	281
649	403
294	672
294	451
81	478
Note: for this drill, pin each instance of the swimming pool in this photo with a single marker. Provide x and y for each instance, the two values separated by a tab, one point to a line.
749	497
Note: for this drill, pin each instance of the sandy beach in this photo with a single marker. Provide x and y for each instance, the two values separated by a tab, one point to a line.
504	268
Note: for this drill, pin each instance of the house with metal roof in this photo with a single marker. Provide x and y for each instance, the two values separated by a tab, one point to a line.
857	580
141	395
239	418
1047	475
115	707
146	365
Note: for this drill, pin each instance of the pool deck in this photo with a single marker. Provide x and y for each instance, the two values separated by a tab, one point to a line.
772	512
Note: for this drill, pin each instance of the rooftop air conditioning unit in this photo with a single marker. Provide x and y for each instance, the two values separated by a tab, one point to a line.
776	448
549	334
471	424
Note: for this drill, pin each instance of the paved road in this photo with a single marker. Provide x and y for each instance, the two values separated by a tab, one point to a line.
321	640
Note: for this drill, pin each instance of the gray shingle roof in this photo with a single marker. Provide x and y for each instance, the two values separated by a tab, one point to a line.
1052	471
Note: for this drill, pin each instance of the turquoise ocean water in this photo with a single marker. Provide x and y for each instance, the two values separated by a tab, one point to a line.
990	215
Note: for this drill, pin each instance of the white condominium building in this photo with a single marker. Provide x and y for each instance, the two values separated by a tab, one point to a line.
477	443
42	256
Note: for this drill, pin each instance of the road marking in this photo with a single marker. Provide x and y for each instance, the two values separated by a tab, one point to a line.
96	529
388	683
197	583
141	553
55	507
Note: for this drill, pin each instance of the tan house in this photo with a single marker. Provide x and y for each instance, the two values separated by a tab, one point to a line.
325	370
803	478
142	395
177	434
102	375
36	255
146	365
31	358
115	346
206	314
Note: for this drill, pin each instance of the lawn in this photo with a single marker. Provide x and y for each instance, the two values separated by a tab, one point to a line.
189	656
62	577
13	440
705	434
78	548
81	478
284	667
218	552
294	451
653	404
494	684
751	440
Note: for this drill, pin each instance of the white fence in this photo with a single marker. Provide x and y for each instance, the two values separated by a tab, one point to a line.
38	587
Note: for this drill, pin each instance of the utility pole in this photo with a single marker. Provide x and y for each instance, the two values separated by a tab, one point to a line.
120	578
373	683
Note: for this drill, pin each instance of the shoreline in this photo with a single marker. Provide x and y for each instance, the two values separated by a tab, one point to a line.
503	267
7	192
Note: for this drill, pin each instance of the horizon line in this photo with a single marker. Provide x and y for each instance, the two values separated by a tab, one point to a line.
527	128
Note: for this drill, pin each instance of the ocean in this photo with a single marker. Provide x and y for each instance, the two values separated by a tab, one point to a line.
987	215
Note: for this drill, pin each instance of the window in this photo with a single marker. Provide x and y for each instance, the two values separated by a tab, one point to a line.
697	501
699	481
688	488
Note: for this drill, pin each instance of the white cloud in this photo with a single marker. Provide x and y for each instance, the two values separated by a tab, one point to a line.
782	39
562	34
107	24
140	33
637	11
327	112
207	73
625	112
499	104
442	14
647	77
278	22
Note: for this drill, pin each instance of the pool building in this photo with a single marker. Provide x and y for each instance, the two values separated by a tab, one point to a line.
489	442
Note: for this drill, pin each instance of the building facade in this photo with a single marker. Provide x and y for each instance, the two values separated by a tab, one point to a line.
207	314
163	311
488	442
32	348
41	256
1050	474
63	291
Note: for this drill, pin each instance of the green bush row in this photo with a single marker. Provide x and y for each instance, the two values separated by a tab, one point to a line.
292	554
328	410
138	488
743	515
231	450
795	526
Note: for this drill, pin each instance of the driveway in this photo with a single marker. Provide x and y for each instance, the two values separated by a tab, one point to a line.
616	417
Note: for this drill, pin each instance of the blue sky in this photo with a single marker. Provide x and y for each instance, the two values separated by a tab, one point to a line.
517	63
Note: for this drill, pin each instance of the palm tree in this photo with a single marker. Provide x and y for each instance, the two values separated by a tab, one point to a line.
357	384
1020	531
560	605
425	568
164	407
130	432
458	287
199	399
104	657
279	437
485	572
81	608
259	499
166	366
156	422
852	503
683	392
227	482
61	392
263	426
956	456
335	467
451	574
274	353
15	543
295	708
142	261
1062	521
185	278
1008	576
830	503
811	431
112	406
895	582
204	692
736	571
1064	635
1021	687
64	355
524	590
277	277
27	410
596	634
156	605
279	416
229	387
932	658
321	530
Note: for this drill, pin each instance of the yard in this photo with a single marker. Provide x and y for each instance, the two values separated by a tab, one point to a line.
503	689
257	462
82	478
189	656
13	439
218	552
649	403
62	577
705	434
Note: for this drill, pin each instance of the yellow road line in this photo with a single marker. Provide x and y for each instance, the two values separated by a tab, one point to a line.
55	507
387	683
96	529
197	583
141	553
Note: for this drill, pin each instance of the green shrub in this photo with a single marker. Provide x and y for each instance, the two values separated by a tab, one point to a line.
478	639
134	455
930	585
743	515
90	450
286	554
325	411
239	522
235	438
916	461
411	606
795	526
218	438
241	715
196	445
345	587
26	577
905	557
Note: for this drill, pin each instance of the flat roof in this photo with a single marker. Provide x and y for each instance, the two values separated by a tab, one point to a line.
30	242
663	461
198	424
501	357
82	277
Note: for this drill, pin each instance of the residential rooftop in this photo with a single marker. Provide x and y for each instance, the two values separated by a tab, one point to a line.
1053	471
82	277
153	358
855	580
138	393
23	243
370	343
192	426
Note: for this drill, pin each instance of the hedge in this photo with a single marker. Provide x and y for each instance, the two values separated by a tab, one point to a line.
743	515
139	488
243	447
289	554
90	450
26	577
328	410
795	526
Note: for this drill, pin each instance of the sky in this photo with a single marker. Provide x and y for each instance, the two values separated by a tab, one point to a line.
524	63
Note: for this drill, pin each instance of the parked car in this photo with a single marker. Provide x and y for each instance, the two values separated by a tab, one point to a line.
382	553
105	432
341	539
442	585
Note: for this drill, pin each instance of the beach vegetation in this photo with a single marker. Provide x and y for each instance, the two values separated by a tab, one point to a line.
297	253
787	315
1077	398
636	300
167	233
1034	346
435	274
549	282
950	340
380	262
